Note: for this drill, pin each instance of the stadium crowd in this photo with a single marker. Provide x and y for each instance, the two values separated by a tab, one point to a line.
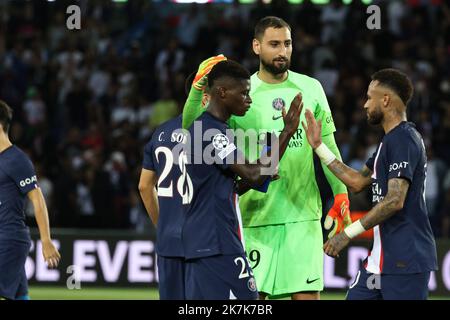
86	101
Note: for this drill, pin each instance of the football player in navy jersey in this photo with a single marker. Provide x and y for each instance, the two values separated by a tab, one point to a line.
216	264
164	187
18	181
404	249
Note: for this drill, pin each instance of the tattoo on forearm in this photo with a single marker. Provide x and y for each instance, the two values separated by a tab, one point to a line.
365	172
341	240
397	190
344	173
337	167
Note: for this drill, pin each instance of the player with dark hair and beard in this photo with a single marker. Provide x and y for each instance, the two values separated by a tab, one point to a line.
282	227
404	250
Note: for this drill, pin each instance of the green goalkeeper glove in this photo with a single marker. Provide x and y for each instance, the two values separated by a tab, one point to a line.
205	67
194	107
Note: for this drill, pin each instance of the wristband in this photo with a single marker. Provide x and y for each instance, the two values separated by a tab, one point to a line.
325	154
355	229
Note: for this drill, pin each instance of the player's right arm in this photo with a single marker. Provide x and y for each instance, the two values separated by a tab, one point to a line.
149	195
356	181
252	173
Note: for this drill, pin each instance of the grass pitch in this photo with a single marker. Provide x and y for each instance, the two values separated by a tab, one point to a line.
92	293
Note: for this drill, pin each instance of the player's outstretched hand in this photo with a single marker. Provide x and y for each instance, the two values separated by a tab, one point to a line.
51	254
291	119
313	129
334	245
205	67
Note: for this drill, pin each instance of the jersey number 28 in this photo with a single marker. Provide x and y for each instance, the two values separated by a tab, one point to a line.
184	183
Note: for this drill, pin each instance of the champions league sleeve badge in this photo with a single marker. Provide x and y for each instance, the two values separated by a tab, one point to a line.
220	141
222	144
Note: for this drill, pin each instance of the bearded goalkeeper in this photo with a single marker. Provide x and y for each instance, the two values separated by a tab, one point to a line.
282	228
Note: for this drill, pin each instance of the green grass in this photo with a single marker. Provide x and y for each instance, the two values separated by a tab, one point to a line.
90	293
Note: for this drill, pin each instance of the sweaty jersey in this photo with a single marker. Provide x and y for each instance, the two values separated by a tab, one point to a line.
404	243
17	178
212	223
295	196
161	156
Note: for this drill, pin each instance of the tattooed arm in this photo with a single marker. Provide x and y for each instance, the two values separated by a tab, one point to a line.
392	203
356	181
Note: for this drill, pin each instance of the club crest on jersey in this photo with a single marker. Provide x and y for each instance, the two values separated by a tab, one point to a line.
220	141
251	284
278	104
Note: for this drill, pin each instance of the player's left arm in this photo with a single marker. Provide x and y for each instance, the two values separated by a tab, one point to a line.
149	195
392	203
51	254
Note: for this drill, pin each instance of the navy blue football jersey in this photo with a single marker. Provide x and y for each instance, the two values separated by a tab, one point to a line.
404	243
174	187
17	178
213	223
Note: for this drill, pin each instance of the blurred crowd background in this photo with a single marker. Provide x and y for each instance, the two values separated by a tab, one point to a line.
86	101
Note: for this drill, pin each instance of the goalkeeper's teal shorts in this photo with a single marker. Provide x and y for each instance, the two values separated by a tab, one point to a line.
286	258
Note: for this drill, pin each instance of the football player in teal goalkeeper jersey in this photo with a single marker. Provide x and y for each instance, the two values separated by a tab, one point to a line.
282	227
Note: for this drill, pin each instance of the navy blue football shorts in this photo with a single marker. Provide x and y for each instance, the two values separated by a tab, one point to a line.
13	279
221	277
369	286
171	274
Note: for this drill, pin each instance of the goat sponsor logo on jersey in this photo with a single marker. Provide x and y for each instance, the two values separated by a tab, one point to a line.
28	181
397	166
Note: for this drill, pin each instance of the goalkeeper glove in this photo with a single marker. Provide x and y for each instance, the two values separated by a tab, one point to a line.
197	99
205	67
339	214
